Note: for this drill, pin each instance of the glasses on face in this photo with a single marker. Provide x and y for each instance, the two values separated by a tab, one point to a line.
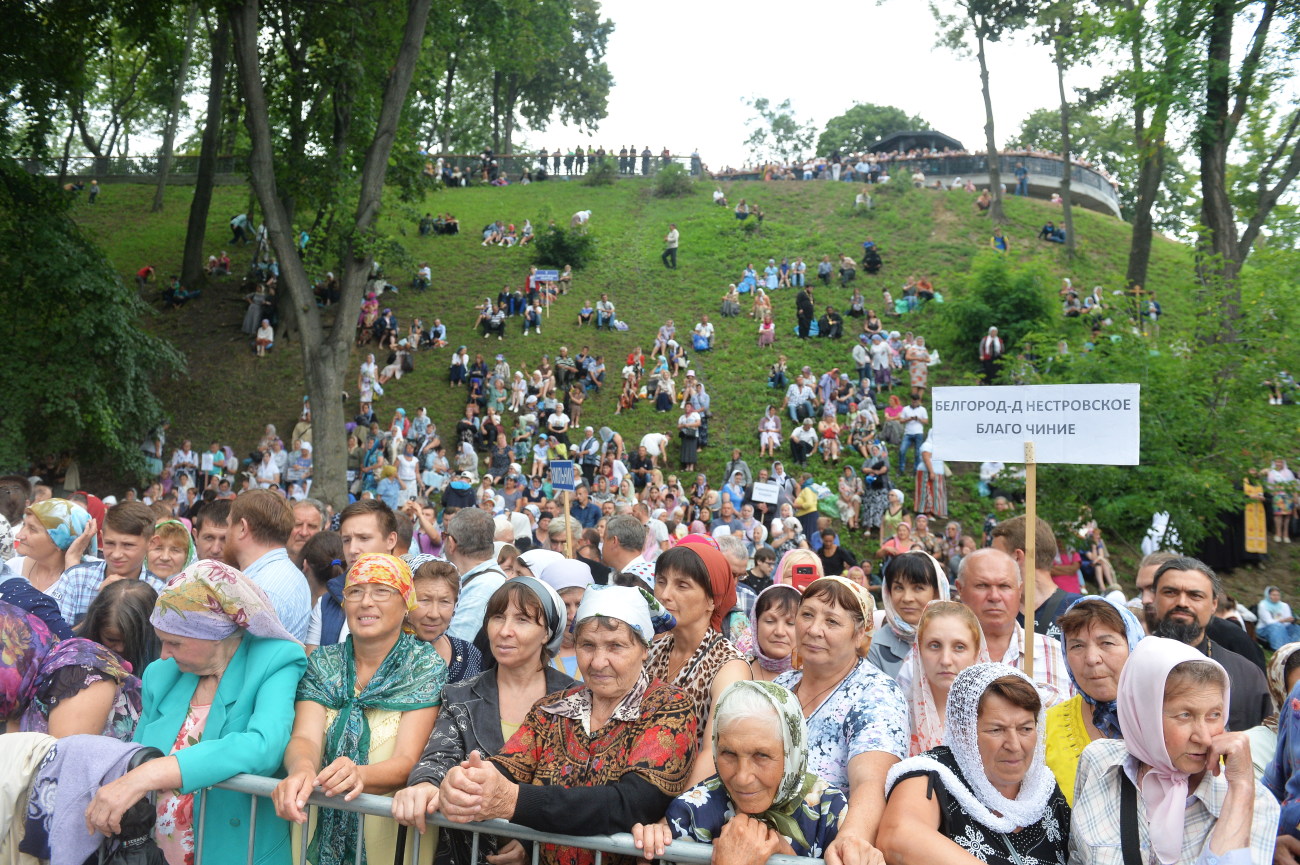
377	593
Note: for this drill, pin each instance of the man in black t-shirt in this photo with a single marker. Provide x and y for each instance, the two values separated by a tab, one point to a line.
834	558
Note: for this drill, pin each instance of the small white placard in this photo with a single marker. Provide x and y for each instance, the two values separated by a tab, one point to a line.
767	492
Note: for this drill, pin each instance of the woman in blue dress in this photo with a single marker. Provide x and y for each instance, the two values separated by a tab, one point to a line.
770	273
762	800
748	279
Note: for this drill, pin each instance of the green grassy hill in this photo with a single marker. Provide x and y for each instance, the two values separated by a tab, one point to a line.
230	394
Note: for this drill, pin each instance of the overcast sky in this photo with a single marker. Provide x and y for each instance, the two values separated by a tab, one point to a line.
682	68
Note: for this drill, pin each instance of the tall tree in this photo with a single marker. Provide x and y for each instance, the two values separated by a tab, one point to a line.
197	226
325	353
1229	93
863	125
774	131
987	21
174	111
91	373
1058	23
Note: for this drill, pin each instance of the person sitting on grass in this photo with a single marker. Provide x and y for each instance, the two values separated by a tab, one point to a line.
831	325
265	338
1051	233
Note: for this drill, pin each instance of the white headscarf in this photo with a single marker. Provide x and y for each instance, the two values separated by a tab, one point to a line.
539	560
892	618
977	796
617	602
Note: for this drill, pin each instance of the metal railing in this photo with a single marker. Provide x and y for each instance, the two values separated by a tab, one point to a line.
374	807
513	165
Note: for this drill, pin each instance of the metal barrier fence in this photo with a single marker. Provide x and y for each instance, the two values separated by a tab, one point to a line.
380	807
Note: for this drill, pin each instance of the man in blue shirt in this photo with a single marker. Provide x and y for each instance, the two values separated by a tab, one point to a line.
260	524
1022	179
583	510
467	544
127	529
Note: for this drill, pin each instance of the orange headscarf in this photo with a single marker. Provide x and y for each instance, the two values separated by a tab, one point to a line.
722	584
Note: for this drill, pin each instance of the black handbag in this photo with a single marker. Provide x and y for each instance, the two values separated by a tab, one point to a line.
134	845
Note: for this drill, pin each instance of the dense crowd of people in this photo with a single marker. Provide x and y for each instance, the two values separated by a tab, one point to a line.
706	685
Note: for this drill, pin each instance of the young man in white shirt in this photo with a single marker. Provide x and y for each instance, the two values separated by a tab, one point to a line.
914	418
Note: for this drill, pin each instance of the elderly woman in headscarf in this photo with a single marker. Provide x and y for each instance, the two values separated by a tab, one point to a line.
219	702
569	578
62	688
1280	740
948	640
593	759
986	792
525	624
365	708
857	718
437	588
54	535
1097	636
912	580
1178	788
694	582
763	800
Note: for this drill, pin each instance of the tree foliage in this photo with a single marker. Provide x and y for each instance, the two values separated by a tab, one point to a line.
83	371
863	125
996	293
556	247
774	132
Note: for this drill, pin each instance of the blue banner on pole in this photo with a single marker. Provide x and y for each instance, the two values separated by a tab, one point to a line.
562	479
547	276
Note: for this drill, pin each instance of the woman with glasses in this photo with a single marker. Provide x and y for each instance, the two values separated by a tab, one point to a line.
364	711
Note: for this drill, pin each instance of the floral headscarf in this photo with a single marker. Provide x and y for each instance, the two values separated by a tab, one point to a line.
63	521
210	600
1277	680
980	799
796	780
24	643
410	677
385	570
866	603
1105	716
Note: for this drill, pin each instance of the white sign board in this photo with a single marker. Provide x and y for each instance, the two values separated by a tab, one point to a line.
1081	424
767	492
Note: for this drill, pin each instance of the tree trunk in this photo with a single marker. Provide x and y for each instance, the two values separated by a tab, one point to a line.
1151	171
1067	170
174	113
325	357
67	149
1220	256
990	142
496	112
196	230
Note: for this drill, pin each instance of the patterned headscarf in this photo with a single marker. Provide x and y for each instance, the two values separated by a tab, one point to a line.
722	584
866	603
1277	680
191	552
63	521
796	780
411	677
385	570
24	643
210	600
1105	715
981	800
1164	786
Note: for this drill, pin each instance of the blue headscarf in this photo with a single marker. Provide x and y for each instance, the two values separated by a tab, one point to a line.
1105	715
63	521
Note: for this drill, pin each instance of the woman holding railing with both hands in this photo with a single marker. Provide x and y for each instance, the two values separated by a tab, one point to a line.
365	708
594	759
525	626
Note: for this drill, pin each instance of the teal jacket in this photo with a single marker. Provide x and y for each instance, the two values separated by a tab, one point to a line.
247	730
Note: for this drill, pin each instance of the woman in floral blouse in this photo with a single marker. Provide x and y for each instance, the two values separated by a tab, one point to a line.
760	746
593	759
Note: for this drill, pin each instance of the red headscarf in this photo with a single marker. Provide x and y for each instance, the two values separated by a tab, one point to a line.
721	583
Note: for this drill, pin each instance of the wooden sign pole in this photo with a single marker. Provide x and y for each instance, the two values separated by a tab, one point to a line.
568	524
1031	536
